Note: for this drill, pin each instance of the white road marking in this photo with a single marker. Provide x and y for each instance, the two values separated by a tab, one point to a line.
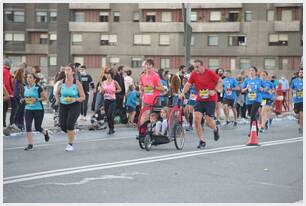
65	142
66	171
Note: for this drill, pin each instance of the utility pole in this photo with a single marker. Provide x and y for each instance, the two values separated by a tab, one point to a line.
187	31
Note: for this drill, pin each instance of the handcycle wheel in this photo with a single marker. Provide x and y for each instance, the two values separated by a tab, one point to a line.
179	137
141	143
147	142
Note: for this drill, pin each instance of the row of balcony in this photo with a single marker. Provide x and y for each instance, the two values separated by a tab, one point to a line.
169	6
279	26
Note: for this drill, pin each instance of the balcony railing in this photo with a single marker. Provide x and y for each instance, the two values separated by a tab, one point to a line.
287	26
89	6
37	48
89	26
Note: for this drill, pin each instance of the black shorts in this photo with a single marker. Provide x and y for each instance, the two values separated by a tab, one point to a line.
298	107
229	102
207	108
269	102
220	97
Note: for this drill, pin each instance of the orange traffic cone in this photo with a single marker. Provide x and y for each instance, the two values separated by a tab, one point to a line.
253	136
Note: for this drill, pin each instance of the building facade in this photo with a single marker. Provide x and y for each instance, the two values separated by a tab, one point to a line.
233	36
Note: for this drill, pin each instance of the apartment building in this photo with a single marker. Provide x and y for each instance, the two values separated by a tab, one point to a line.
233	36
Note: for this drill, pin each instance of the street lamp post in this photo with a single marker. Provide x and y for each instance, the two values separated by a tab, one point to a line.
187	31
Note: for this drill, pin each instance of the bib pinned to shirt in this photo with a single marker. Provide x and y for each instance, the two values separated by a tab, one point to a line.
203	93
263	102
252	96
148	90
28	100
299	93
193	97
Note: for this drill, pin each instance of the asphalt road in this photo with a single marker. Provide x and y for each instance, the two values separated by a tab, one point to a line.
114	169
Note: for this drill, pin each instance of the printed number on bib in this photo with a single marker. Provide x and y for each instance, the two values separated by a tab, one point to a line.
148	90
204	93
252	96
299	93
193	97
263	102
29	100
68	99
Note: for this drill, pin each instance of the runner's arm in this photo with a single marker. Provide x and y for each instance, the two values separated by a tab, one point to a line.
185	89
81	92
219	85
118	88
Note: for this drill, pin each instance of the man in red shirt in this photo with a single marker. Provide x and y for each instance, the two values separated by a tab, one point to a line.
207	83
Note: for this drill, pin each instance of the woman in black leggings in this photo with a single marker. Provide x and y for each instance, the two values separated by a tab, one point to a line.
253	86
33	97
109	88
69	95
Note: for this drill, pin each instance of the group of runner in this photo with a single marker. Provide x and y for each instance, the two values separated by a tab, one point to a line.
203	90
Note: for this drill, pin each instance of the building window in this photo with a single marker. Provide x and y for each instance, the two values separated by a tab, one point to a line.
166	16
116	16
192	42
233	63
164	39
14	37
278	39
248	16
164	63
286	15
79	16
237	41
14	16
194	16
53	15
110	40
245	64
52	38
43	61
41	17
43	39
270	63
52	61
233	16
136	62
104	16
215	16
16	60
285	63
270	15
136	16
151	17
103	62
213	63
76	39
140	39
78	59
114	60
213	40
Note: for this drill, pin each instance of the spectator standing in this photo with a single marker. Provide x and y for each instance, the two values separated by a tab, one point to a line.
87	83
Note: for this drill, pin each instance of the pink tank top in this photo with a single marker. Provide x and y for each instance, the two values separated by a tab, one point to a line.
109	90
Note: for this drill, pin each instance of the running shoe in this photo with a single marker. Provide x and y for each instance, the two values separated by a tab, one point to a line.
262	130
201	145
69	148
227	123
111	132
235	124
270	122
218	122
216	134
267	125
46	136
29	147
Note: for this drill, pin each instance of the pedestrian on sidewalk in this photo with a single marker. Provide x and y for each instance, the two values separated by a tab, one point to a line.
131	105
109	88
87	84
296	88
33	97
69	96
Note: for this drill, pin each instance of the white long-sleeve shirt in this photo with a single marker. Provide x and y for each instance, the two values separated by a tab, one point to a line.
161	127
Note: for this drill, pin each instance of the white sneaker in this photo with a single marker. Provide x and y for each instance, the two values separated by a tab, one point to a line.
69	148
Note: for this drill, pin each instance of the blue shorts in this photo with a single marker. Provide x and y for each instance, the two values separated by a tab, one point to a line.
131	109
191	102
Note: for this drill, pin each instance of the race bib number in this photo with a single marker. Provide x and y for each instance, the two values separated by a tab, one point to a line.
299	93
68	99
203	93
148	90
252	96
229	92
29	100
263	102
193	97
